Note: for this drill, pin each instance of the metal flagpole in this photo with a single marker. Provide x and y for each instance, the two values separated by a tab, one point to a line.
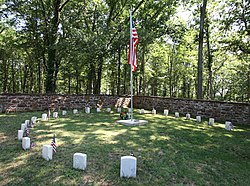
131	65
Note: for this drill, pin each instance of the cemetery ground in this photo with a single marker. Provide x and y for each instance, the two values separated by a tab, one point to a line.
169	151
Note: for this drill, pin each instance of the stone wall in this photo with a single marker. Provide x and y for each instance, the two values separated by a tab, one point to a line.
35	102
222	111
238	113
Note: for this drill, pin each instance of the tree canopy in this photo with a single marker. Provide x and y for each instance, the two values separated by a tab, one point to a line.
80	47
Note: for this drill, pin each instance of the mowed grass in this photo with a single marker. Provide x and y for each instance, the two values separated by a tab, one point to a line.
169	151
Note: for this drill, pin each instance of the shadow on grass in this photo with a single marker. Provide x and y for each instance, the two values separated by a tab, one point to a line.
169	151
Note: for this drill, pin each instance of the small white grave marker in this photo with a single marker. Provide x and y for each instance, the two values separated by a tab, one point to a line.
64	113
198	119
153	111
44	117
80	161
142	111
27	122
188	116
26	143
177	114
33	119
119	109
20	134
47	152
55	114
75	111
229	125
98	110
128	166
211	121
23	126
108	109
87	110
165	112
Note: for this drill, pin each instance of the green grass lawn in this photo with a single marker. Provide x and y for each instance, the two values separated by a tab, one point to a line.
169	151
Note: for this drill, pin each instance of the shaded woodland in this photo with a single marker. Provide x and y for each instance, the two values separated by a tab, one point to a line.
187	49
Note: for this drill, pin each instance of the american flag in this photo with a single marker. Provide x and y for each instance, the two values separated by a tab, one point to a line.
53	144
32	145
26	132
135	42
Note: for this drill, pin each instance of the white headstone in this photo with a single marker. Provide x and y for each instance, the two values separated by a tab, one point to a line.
211	121
153	111
177	114
64	113
166	112
87	110
188	116
33	119
27	122
198	119
44	117
119	109
55	114
20	134
80	161
108	109
229	125
23	126
142	111
26	143
47	152
75	111
129	110
128	166
98	110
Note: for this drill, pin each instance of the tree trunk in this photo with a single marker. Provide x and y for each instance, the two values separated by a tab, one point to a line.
210	61
125	79
91	78
200	50
142	81
25	77
171	60
248	85
69	83
97	87
5	75
13	77
77	81
53	61
119	71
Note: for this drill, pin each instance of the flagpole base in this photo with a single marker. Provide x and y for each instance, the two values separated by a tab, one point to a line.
133	122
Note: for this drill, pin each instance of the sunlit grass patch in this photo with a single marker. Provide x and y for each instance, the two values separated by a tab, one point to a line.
169	151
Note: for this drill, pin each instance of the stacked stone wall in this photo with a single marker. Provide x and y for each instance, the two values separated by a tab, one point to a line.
238	113
25	102
221	111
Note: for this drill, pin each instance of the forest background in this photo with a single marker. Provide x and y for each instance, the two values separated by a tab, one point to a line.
187	48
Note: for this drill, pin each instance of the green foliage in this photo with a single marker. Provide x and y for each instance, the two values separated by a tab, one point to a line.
81	47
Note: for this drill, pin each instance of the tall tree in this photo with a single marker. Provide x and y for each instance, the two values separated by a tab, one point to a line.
200	49
52	38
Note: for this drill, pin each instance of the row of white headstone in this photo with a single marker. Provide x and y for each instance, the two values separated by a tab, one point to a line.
228	124
127	165
45	116
25	140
